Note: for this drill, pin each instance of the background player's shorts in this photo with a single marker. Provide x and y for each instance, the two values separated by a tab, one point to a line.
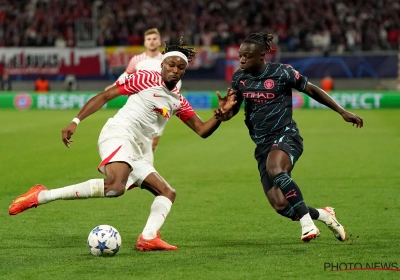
290	142
116	144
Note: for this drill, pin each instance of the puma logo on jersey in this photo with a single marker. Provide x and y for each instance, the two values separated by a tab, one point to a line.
156	95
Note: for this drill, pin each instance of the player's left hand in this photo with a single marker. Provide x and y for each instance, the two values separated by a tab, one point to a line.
353	118
226	103
219	115
67	133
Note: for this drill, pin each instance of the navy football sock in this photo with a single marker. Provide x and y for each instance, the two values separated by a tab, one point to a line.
289	212
313	213
291	192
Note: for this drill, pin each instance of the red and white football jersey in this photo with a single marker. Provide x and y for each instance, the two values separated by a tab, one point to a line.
149	106
141	59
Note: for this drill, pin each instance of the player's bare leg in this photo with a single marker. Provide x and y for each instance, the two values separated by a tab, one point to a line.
149	239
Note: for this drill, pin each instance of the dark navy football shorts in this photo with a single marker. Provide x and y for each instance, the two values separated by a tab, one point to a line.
289	141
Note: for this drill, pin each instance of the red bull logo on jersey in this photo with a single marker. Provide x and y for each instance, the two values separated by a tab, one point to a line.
162	111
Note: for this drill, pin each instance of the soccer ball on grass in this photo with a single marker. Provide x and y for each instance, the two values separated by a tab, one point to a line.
104	240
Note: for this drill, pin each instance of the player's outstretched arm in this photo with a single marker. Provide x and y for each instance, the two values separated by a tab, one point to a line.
205	129
322	97
92	106
108	87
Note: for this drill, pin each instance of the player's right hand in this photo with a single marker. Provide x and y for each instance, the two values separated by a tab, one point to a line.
67	134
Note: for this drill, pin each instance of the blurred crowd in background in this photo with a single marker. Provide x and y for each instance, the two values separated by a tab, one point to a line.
298	25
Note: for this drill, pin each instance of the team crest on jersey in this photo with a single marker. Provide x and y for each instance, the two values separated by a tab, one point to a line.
269	84
162	111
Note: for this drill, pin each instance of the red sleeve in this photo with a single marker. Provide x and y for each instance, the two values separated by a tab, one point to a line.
185	110
137	82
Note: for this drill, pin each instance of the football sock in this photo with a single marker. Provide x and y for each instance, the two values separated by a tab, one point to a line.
314	213
306	220
289	212
323	215
158	213
91	188
291	192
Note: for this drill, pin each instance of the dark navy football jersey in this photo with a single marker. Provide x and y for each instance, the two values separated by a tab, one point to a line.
268	99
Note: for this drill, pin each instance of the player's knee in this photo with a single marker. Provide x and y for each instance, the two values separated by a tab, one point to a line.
113	188
169	193
272	172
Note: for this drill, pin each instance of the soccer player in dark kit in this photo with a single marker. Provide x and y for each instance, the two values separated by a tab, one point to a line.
266	89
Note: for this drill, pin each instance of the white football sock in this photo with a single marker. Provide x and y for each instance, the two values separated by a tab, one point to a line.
158	213
91	188
306	219
323	216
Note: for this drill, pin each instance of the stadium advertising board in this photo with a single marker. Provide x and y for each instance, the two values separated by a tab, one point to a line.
199	100
118	57
347	99
52	101
53	61
354	100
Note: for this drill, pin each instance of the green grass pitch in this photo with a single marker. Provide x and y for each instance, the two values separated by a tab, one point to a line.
221	221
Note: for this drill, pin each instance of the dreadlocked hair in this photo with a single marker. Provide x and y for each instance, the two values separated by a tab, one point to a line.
263	39
180	47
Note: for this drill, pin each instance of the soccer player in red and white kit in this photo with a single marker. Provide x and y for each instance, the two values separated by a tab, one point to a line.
149	60
153	99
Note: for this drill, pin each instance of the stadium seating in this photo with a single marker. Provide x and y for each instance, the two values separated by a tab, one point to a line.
303	25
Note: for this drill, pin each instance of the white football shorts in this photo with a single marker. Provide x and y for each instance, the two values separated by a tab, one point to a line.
149	155
117	144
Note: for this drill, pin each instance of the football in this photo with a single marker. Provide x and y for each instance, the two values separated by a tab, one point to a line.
104	240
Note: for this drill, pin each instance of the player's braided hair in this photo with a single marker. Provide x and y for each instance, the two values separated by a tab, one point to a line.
180	47
263	39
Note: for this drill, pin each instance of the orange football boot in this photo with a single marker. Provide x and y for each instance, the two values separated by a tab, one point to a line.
26	200
153	244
